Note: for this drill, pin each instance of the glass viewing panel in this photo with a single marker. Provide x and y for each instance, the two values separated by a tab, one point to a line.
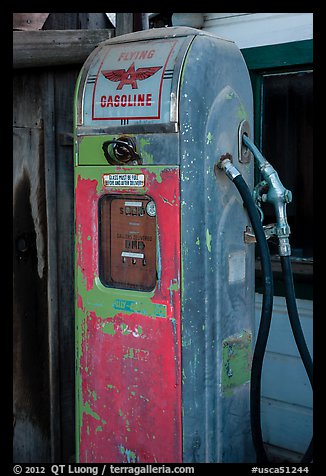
127	242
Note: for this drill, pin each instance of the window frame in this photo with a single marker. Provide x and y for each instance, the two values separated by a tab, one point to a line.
270	59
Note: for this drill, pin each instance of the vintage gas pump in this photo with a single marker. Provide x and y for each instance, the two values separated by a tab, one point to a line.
164	274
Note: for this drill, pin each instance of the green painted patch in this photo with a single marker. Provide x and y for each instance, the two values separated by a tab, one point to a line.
174	286
236	358
230	95
130	354
146	308
108	328
130	455
209	138
114	303
242	113
208	241
87	409
147	157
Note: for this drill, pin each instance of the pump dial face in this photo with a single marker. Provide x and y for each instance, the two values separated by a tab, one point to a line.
151	209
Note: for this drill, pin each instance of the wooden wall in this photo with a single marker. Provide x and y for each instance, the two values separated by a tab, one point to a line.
43	265
31	388
43	233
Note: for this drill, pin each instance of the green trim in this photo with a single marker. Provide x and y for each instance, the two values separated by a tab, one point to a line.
263	60
281	55
256	82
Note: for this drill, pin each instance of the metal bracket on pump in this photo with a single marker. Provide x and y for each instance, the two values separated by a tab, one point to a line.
244	152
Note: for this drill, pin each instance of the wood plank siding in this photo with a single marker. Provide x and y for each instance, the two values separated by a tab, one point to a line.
46	64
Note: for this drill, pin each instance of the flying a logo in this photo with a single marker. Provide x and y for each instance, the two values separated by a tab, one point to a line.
130	75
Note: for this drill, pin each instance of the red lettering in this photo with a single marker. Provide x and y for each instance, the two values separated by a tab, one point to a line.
134	55
148	99
130	100
123	56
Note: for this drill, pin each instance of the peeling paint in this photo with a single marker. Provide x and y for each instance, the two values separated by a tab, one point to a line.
208	240
130	455
136	354
209	138
165	200
242	113
93	394
108	328
147	157
152	309
174	286
174	325
230	95
144	398
121	334
236	357
112	387
87	409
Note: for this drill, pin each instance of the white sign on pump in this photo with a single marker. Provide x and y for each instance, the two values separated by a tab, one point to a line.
132	82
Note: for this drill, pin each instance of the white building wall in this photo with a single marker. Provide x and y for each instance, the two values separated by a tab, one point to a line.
248	30
286	405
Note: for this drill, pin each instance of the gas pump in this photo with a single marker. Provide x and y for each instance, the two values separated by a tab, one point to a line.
164	274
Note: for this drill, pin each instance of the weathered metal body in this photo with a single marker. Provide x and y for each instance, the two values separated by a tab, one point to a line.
163	370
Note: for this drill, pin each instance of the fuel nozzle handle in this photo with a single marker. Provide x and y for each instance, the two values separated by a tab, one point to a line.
277	195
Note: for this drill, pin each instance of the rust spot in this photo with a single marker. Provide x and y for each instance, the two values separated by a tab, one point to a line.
225	156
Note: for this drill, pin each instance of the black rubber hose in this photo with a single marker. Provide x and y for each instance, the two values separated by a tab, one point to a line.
265	320
308	456
291	305
294	316
297	331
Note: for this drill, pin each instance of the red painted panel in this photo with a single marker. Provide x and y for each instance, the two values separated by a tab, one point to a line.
87	229
130	364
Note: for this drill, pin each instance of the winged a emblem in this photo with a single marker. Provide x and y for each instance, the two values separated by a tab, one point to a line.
130	75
